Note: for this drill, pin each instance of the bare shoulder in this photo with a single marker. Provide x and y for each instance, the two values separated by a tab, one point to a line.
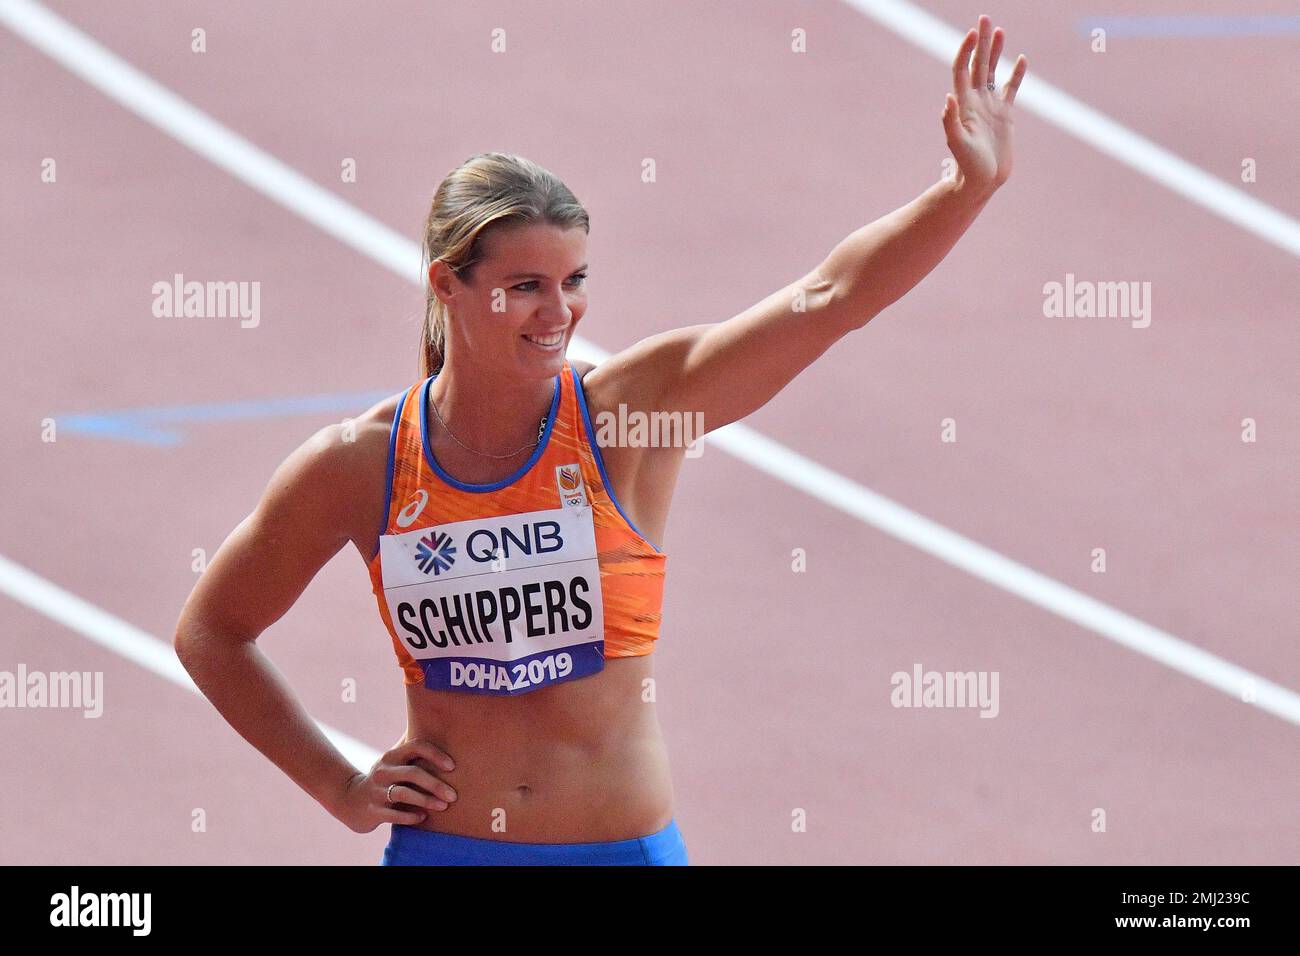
591	382
636	376
345	467
582	368
607	384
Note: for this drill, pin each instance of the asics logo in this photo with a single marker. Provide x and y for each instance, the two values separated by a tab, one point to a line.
406	517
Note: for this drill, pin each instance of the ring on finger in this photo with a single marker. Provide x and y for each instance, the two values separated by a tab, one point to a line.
390	793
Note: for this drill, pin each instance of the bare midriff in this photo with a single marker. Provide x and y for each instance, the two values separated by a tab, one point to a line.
581	761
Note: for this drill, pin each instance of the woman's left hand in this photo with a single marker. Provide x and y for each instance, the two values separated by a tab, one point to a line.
977	120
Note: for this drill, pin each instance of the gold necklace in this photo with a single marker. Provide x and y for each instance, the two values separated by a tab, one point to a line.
540	431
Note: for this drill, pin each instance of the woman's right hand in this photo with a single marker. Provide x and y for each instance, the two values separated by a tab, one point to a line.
364	804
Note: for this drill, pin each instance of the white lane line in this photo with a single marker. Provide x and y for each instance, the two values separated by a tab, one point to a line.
102	68
129	641
1099	131
210	139
997	569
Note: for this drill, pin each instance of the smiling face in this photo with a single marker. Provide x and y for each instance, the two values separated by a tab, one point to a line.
524	297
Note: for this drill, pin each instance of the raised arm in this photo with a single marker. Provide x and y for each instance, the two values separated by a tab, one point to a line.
726	370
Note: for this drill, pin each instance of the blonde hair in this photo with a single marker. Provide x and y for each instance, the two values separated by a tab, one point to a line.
487	191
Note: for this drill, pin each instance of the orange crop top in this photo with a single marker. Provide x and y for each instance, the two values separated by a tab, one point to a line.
508	587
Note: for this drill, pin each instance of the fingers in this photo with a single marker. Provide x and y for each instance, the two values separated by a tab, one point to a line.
1013	84
411	795
951	119
400	769
421	778
995	51
980	70
388	814
976	63
961	64
425	749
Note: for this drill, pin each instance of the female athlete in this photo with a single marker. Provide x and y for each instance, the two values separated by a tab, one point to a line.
514	555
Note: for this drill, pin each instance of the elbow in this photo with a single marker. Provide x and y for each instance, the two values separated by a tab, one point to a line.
834	300
198	639
189	639
184	641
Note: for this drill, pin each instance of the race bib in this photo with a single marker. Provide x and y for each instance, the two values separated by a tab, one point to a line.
499	605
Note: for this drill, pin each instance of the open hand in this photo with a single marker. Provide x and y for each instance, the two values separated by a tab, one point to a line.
976	118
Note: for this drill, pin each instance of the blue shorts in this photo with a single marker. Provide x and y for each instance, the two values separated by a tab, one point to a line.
412	846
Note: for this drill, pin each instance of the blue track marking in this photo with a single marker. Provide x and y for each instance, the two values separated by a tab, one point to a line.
1195	25
148	426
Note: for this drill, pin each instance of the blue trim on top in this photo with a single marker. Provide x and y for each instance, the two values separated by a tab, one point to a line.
497	485
1192	25
600	462
388	475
